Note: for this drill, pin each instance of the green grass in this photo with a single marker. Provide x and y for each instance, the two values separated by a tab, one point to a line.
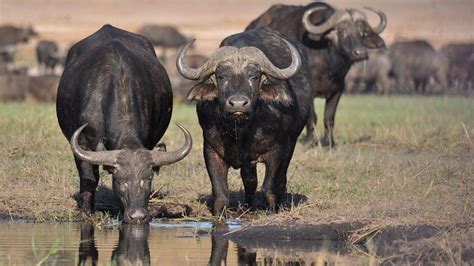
399	158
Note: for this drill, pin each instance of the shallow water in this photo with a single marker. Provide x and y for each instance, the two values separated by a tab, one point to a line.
191	243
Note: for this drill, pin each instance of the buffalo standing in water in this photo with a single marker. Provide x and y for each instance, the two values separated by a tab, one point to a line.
335	39
114	104
253	101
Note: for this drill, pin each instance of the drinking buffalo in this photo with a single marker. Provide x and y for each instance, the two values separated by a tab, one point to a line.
253	101
114	104
335	39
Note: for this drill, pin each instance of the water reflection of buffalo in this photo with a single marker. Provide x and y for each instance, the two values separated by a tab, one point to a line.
254	97
334	38
276	247
132	248
414	63
88	254
114	87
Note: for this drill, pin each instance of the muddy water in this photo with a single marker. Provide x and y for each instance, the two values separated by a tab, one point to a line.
156	244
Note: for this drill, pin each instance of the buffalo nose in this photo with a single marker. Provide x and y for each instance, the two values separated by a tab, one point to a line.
137	215
360	52
238	101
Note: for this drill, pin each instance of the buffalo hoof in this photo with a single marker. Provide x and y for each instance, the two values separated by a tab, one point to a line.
87	203
308	141
220	203
271	201
327	142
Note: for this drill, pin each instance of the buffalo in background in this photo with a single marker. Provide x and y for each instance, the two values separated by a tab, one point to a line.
415	66
180	85
335	39
20	87
10	37
371	75
163	36
461	65
414	63
47	53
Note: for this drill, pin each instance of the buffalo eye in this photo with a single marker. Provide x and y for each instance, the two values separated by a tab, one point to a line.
254	78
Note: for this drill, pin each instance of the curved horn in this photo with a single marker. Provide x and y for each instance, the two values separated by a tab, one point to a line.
207	68
383	20
163	158
330	23
268	67
94	157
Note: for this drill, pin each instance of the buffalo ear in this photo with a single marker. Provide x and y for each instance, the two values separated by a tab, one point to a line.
203	91
373	41
275	91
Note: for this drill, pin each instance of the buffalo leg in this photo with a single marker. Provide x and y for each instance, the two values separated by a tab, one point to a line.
329	115
89	175
249	177
310	125
274	185
217	169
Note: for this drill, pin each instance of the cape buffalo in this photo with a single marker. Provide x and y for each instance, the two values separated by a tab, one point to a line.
335	38
114	104
163	35
370	74
13	87
11	35
253	100
414	63
47	53
7	55
43	88
461	64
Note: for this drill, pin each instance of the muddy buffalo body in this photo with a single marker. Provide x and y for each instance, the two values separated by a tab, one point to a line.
414	63
335	39
114	104
253	101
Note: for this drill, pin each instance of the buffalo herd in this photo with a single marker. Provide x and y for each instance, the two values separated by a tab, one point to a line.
254	94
